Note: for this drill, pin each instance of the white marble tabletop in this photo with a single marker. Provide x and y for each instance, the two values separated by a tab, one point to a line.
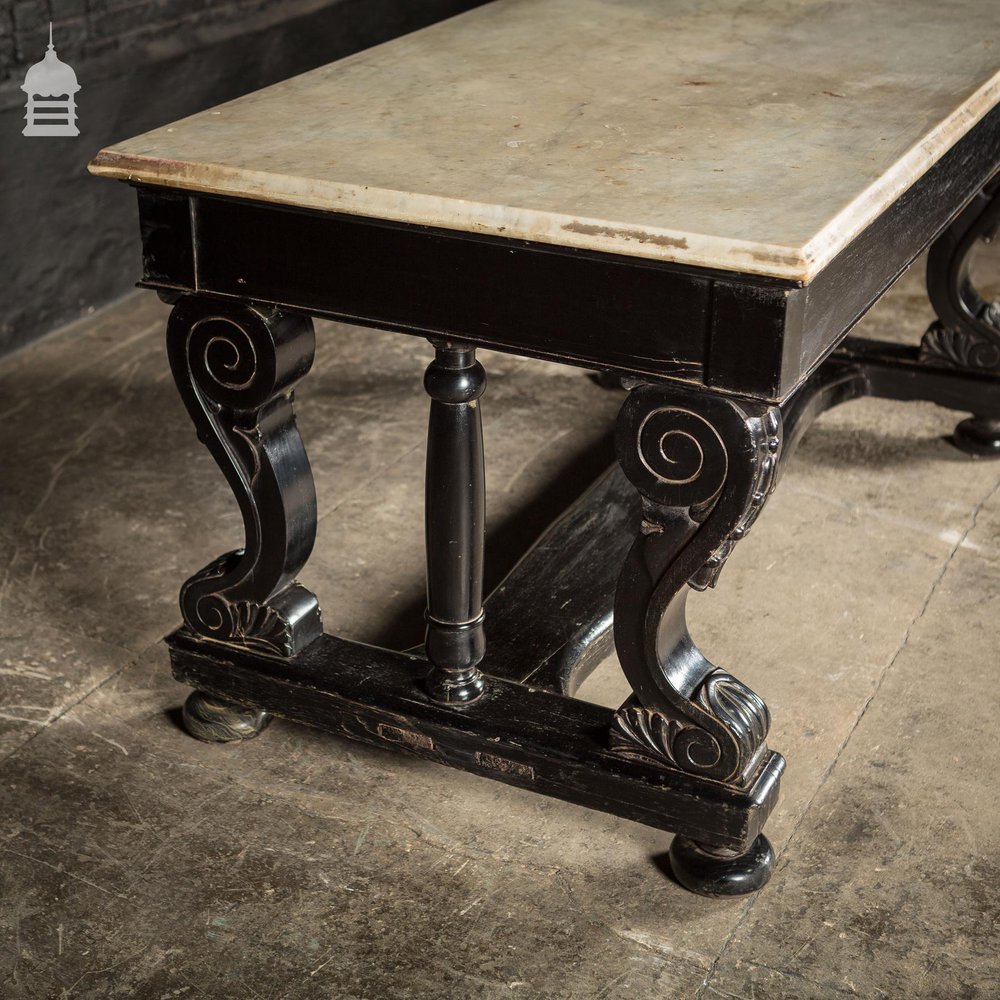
750	135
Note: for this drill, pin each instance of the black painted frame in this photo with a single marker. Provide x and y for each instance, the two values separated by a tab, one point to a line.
733	332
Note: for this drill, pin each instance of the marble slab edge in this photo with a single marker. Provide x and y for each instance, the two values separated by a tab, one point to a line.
798	264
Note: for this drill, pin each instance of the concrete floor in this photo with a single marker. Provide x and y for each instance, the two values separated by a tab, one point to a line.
136	862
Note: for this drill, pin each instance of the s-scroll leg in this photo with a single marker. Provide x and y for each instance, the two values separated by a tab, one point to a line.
236	366
704	466
966	334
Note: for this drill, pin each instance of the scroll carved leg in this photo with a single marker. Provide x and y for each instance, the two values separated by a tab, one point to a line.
966	334
236	366
704	466
455	515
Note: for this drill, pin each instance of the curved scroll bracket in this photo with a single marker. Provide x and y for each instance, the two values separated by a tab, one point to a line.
704	466
236	366
966	333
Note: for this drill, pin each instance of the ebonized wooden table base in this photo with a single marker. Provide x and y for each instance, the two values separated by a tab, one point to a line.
493	690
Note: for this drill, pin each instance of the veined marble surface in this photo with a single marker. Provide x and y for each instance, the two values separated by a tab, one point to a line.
750	135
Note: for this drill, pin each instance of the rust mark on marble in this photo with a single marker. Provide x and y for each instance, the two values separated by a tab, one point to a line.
587	229
769	256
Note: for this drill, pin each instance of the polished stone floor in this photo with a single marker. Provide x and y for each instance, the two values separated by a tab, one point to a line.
136	862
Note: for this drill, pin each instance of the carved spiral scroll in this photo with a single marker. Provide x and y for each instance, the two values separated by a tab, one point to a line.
223	355
684	461
243	363
235	366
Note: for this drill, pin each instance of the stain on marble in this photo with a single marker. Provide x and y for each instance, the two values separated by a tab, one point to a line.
637	235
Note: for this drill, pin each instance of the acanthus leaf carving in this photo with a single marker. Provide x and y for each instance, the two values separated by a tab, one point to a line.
769	449
962	347
644	734
655	737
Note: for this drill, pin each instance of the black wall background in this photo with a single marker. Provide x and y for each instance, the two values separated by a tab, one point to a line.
69	240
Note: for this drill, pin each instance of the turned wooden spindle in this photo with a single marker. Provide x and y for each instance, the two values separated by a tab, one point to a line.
455	513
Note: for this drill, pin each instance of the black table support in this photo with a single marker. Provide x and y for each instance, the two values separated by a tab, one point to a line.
966	334
455	519
514	733
661	761
493	693
235	366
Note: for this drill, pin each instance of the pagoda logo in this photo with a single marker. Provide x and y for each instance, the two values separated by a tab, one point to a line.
51	87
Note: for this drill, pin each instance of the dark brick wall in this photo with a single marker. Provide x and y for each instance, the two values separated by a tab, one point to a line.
68	241
91	29
8	48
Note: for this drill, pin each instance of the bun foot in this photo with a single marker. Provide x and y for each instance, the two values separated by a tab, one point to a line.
217	721
978	436
711	871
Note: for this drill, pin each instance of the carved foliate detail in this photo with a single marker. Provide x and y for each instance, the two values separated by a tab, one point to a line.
269	628
739	708
644	734
768	454
657	738
235	366
964	347
704	466
966	333
260	625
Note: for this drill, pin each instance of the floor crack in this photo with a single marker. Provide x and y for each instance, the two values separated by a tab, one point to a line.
67	709
935	583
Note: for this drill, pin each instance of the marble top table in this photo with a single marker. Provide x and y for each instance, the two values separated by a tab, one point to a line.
760	140
701	195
